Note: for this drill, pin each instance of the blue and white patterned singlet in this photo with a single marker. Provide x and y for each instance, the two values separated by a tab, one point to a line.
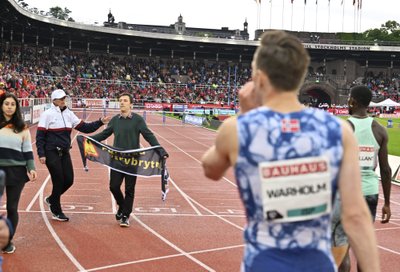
289	246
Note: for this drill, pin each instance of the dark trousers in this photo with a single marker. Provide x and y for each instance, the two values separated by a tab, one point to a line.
13	193
372	202
62	176
125	203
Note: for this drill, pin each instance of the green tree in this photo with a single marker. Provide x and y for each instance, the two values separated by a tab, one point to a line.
380	34
389	31
59	13
391	26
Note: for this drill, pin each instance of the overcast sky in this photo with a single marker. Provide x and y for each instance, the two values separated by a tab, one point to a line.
232	13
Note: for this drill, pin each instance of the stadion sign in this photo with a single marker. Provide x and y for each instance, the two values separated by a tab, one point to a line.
337	47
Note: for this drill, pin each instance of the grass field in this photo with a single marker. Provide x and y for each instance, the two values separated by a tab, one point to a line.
394	134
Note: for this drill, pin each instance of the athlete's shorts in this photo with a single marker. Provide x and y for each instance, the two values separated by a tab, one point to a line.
339	237
372	202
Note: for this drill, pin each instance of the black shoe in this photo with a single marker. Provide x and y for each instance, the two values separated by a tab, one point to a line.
118	215
124	222
60	217
10	248
47	201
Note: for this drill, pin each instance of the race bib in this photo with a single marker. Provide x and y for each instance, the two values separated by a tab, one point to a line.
366	156
295	190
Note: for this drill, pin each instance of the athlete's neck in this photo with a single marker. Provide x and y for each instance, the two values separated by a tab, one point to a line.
283	102
359	113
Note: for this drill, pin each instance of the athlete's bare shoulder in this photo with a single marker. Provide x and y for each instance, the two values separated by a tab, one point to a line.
379	131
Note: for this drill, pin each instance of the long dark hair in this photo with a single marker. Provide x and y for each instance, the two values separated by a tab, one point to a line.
16	120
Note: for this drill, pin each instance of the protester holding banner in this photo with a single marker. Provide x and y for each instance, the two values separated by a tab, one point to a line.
16	156
289	162
372	144
127	127
53	141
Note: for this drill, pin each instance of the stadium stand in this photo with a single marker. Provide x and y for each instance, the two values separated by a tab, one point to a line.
38	53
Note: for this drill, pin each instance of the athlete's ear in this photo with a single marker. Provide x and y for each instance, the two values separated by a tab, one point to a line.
350	102
262	79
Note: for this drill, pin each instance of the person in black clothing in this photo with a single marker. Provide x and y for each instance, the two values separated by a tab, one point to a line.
127	128
53	141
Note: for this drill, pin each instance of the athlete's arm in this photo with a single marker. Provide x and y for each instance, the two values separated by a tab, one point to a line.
385	170
223	153
356	217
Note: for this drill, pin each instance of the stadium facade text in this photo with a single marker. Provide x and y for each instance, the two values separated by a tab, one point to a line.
337	47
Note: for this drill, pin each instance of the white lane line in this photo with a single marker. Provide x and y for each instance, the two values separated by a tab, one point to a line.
158	135
193	140
185	196
141	213
34	142
394	228
216	215
186	254
37	194
163	257
56	237
197	203
389	250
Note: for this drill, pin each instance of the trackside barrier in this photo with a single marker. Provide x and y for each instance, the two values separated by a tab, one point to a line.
396	176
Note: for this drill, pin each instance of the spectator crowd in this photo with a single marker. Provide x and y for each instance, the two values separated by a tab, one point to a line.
33	73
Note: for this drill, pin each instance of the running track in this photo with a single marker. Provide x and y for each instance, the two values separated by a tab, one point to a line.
198	228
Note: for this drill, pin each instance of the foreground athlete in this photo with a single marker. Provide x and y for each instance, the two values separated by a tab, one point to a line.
289	162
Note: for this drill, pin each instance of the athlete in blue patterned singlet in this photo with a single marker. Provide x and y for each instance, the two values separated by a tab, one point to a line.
289	162
287	171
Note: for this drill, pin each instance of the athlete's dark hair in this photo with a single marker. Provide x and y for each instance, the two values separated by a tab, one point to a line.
361	94
129	95
16	120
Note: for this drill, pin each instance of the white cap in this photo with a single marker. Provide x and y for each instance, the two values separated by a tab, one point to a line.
58	94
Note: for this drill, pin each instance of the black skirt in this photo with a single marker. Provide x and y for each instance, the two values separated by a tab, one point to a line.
15	175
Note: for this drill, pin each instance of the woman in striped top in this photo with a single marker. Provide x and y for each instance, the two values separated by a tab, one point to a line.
16	156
